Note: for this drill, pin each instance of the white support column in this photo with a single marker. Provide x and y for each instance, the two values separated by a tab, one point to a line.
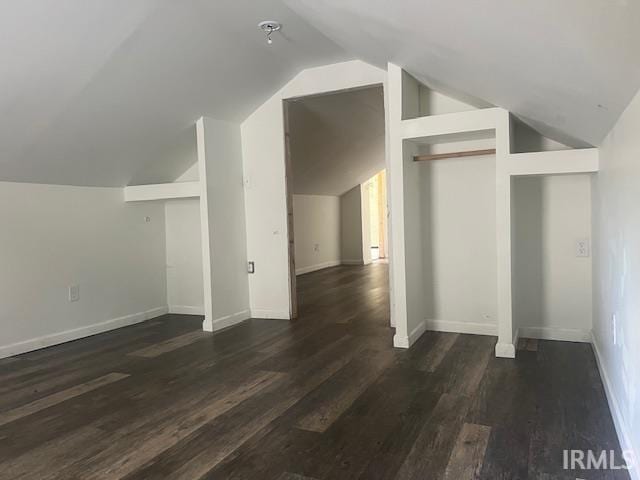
207	324
396	202
506	342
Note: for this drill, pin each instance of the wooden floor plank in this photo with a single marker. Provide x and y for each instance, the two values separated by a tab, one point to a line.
171	344
437	352
165	438
59	397
468	453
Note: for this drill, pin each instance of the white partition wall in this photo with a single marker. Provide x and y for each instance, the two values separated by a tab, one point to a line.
222	213
263	156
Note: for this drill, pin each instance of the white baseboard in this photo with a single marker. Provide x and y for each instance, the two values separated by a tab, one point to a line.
270	314
186	310
318	266
352	262
226	321
554	333
505	350
618	420
81	332
415	334
462	327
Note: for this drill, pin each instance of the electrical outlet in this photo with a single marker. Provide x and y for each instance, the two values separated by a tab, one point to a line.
74	293
251	267
316	247
582	248
147	219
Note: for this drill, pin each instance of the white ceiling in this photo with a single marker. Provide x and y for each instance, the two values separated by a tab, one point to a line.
567	67
337	141
104	92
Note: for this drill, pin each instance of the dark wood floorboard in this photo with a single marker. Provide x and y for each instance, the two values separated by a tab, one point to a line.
324	397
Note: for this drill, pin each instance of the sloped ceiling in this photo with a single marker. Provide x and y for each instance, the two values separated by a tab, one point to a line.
105	93
568	67
337	141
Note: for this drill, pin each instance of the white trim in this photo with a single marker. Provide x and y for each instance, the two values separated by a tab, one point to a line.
270	314
471	328
318	266
81	332
416	333
161	191
555	333
352	262
186	309
618	419
505	350
585	160
226	321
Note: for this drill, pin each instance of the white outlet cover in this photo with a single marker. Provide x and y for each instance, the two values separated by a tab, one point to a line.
74	293
583	248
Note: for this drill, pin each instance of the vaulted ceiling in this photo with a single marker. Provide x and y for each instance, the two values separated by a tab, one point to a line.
337	141
568	67
104	92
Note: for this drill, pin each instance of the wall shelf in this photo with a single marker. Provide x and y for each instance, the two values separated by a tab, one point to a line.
162	191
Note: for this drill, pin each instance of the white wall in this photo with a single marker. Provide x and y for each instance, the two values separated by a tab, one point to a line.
617	273
265	193
222	210
458	243
551	285
351	229
185	292
56	236
316	221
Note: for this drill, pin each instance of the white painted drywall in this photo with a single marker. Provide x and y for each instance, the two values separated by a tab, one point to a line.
351	228
551	285
415	265
185	292
222	207
316	223
458	235
265	192
616	326
56	236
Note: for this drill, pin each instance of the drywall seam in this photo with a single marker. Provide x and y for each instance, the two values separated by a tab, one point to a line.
81	332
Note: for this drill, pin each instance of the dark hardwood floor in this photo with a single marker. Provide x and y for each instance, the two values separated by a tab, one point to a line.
326	397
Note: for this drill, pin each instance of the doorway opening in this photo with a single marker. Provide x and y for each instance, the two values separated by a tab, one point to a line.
376	190
336	205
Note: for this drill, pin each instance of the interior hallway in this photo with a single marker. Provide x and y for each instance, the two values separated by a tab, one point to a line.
325	397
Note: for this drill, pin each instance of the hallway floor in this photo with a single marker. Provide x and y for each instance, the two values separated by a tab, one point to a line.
325	397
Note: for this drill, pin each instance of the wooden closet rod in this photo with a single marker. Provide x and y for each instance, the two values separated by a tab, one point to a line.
468	153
